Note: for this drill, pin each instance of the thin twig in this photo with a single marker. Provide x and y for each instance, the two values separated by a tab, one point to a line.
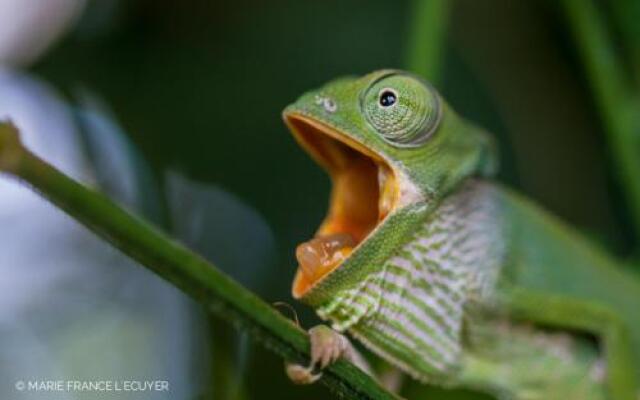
176	264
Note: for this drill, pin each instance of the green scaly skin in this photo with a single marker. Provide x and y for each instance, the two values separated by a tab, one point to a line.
466	283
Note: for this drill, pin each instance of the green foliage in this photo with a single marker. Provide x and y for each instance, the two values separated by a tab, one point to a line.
201	87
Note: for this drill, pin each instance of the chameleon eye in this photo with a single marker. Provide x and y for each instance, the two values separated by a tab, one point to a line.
388	97
402	109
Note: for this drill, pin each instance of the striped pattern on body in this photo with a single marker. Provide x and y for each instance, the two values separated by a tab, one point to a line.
411	310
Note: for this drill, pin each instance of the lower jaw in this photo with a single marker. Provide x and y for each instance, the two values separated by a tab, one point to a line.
337	238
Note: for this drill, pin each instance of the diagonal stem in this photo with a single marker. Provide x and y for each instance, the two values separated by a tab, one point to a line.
626	15
177	265
615	98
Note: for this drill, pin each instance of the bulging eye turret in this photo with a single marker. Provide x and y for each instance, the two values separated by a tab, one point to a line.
404	110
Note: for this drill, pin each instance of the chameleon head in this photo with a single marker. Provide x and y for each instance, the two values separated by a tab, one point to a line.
388	141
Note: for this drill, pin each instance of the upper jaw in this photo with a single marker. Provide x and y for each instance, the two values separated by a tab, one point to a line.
365	191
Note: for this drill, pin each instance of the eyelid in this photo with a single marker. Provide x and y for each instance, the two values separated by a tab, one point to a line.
429	125
363	92
390	73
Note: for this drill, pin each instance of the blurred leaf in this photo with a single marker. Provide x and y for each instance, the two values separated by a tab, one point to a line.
120	169
223	229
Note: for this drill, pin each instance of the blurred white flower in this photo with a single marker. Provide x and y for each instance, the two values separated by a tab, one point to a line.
47	128
28	27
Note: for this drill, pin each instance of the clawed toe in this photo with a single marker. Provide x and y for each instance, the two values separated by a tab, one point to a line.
327	346
301	375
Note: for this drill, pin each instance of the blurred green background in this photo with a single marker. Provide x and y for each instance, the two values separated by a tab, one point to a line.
198	88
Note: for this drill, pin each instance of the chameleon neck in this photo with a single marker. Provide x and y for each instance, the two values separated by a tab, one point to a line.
410	308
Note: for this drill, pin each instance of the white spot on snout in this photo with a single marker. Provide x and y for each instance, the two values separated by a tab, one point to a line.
327	103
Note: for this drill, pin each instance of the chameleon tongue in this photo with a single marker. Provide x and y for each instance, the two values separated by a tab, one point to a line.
321	254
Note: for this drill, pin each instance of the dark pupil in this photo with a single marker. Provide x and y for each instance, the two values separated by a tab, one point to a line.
387	98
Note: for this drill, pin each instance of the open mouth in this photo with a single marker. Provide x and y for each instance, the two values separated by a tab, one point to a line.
364	191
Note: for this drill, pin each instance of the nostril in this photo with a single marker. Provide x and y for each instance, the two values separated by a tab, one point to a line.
330	105
327	103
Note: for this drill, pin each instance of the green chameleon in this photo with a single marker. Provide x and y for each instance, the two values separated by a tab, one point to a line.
450	277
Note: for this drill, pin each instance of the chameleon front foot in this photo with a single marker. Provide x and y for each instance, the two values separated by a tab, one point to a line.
327	347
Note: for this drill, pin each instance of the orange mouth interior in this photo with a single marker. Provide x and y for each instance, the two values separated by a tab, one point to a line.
364	191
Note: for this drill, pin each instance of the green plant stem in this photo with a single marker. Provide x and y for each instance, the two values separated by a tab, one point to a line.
627	15
426	38
614	95
176	264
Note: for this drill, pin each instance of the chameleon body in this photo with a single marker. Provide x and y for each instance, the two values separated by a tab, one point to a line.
454	279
